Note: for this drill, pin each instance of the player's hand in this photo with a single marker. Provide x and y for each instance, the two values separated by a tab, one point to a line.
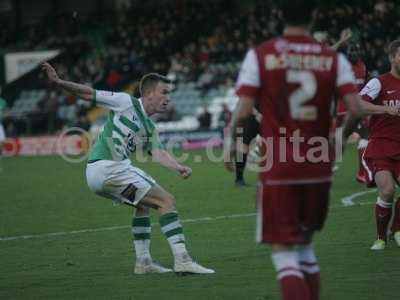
184	172
50	72
345	35
229	157
229	165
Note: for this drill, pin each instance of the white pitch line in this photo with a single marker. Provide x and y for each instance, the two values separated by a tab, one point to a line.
32	236
111	228
348	200
61	233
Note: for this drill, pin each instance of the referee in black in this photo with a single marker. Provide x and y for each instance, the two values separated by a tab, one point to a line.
250	131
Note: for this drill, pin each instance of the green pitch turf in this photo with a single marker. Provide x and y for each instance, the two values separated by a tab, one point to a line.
91	256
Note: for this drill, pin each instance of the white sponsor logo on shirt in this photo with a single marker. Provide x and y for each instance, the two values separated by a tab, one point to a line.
391	92
395	102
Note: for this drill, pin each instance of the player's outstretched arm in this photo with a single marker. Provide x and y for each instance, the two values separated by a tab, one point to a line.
372	109
76	89
354	115
165	159
345	36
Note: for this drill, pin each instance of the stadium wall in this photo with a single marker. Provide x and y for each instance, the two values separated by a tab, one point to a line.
77	144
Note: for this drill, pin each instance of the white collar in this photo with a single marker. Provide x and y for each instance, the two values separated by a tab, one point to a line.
142	107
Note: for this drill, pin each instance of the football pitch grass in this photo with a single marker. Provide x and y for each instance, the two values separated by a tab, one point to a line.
91	256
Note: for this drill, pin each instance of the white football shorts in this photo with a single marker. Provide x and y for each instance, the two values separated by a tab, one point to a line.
2	133
118	180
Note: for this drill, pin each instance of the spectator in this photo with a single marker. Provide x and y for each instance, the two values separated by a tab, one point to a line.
170	115
204	119
113	78
206	79
224	117
83	123
48	108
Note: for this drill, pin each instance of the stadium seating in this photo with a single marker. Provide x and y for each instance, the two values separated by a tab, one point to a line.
27	102
216	48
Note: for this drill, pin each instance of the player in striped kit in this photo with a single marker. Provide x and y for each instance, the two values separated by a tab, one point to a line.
110	173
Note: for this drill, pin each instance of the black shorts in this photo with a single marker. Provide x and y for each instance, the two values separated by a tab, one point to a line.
362	130
250	129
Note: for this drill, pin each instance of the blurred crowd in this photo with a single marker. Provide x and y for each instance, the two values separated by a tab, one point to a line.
120	44
233	33
106	53
186	42
374	25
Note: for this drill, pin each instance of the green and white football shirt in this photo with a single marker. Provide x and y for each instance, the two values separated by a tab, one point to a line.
127	129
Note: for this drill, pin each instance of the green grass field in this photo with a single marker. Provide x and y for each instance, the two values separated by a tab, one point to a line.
39	196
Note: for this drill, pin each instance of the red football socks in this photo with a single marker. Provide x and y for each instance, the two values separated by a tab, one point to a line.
294	288
291	279
383	213
310	268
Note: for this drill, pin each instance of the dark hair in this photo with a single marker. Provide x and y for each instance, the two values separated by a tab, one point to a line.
149	82
393	47
353	52
297	12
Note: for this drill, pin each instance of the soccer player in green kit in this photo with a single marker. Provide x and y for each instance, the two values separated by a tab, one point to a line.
111	174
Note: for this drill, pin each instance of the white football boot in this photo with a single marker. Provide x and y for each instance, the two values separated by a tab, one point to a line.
185	266
147	265
378	245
